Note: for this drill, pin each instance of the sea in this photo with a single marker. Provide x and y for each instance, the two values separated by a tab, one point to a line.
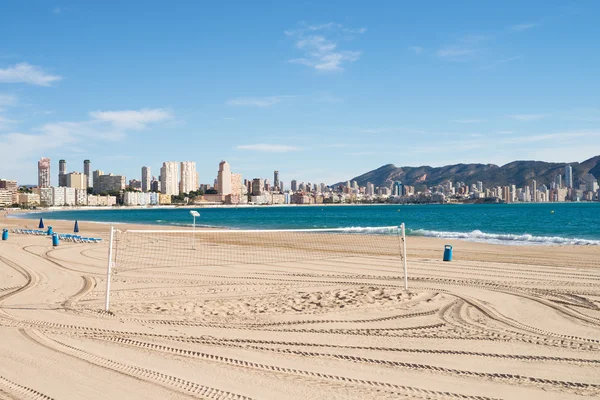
524	224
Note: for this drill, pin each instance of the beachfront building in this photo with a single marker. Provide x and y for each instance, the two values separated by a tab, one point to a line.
110	183
81	197
189	177
164	198
29	199
96	181
168	178
76	180
140	199
44	173
257	187
6	197
12	187
58	196
146	179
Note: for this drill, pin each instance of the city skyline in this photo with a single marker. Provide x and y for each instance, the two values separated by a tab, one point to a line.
327	92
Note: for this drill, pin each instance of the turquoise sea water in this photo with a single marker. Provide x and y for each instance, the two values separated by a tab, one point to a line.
556	223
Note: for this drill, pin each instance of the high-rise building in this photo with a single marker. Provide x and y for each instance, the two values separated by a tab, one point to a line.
257	187
8	186
87	166
168	178
76	180
569	176
189	177
62	173
534	196
294	185
224	179
96	182
146	175
44	173
276	179
370	189
591	183
155	185
558	181
111	183
237	186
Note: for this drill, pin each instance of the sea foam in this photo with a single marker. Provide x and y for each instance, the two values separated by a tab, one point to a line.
502	238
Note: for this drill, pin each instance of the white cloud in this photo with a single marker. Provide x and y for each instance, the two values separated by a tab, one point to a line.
27	73
323	53
416	49
469	121
499	62
130	119
7	100
269	148
522	27
465	48
5	122
456	53
527	117
264	102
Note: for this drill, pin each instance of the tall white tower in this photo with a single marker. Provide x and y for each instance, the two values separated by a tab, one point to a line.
224	178
168	178
189	177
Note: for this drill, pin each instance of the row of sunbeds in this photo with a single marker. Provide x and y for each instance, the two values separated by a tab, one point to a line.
62	236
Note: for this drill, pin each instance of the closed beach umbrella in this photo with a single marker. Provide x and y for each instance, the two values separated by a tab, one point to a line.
76	228
41	225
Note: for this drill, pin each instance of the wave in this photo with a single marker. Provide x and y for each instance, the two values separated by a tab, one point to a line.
505	238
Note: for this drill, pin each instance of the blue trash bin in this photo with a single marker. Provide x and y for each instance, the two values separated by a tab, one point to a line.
4	234
50	231
54	240
447	253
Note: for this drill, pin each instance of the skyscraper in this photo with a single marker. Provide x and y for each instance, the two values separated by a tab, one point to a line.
44	172
62	173
534	196
224	179
87	165
276	179
168	178
294	184
569	176
146	175
189	178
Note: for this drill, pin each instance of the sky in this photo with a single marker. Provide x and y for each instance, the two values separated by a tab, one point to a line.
320	90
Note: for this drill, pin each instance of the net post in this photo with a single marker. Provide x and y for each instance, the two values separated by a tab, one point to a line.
403	232
109	268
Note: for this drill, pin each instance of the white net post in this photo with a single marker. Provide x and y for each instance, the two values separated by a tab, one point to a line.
403	233
109	268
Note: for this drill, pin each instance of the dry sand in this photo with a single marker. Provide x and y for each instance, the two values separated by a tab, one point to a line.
499	322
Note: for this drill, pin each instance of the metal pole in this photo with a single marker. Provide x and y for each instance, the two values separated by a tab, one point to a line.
404	256
194	235
109	268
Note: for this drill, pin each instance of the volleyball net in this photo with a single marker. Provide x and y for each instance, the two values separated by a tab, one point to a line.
140	250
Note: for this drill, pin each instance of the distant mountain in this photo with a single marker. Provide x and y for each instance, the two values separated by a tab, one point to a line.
519	173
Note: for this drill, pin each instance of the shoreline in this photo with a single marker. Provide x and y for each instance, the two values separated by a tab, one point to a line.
472	236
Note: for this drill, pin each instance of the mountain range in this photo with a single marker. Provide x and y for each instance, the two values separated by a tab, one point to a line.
518	173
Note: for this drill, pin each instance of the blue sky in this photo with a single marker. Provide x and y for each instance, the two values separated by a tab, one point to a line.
321	91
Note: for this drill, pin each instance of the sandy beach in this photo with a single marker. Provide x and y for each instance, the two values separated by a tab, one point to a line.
498	322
